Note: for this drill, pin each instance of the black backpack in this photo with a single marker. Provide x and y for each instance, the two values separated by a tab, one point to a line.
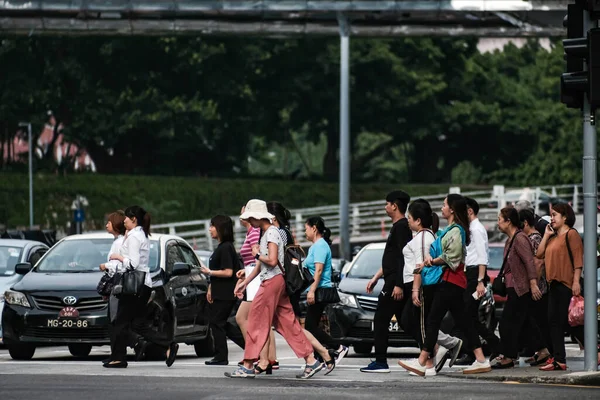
297	277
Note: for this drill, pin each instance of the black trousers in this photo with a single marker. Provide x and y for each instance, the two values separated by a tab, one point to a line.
472	310
559	297
129	308
311	324
449	297
413	317
387	307
514	319
220	310
536	333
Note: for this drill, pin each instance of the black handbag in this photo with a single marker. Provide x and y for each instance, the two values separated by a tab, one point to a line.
133	282
107	283
327	295
499	284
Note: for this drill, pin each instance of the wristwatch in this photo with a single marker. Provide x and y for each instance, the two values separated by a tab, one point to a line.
479	280
257	256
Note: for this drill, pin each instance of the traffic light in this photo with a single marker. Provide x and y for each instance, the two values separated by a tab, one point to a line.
571	89
576	82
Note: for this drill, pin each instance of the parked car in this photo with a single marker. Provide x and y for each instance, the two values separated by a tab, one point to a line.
13	252
56	302
351	320
337	264
496	256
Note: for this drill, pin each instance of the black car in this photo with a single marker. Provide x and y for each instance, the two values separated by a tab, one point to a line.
351	320
56	302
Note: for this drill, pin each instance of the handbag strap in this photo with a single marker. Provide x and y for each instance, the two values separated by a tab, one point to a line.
501	273
423	242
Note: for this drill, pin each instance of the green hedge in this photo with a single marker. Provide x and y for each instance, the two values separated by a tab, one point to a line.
169	199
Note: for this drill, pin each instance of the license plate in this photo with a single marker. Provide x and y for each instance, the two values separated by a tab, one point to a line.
67	323
393	327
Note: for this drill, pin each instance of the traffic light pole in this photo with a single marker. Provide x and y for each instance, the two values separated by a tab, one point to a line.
345	252
590	225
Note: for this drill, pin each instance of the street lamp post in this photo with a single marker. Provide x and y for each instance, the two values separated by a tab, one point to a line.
28	125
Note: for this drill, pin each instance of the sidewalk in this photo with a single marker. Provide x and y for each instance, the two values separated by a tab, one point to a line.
574	375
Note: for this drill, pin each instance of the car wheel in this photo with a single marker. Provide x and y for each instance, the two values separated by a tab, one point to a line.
205	347
80	350
21	351
362	348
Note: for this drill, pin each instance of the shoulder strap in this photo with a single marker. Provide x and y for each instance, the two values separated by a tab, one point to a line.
501	273
569	248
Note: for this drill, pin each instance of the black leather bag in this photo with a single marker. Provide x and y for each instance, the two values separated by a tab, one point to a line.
327	295
133	282
107	283
499	284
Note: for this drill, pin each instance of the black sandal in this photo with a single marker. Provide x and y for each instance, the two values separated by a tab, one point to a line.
173	348
258	370
329	366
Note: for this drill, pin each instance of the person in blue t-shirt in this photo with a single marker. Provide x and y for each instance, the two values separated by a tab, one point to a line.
318	261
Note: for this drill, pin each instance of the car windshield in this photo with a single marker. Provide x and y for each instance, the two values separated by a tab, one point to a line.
9	257
85	255
496	257
366	264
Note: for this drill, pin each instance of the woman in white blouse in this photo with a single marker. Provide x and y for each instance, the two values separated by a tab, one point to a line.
135	254
116	227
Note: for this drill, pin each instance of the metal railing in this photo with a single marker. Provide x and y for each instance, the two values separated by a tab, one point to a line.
369	222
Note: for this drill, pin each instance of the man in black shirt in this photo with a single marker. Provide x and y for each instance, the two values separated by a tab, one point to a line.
391	299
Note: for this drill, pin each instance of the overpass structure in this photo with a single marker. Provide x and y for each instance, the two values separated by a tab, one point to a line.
279	18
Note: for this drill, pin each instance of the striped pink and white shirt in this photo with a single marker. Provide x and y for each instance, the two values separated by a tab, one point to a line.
252	237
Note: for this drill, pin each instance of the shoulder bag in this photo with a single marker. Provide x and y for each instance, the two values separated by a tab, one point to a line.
499	284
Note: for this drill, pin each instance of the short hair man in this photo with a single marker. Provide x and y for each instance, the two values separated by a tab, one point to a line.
391	299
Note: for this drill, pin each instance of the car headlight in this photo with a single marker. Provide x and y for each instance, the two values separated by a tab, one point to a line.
16	298
348	300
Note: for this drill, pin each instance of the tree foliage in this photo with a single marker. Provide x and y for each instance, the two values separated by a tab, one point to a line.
422	109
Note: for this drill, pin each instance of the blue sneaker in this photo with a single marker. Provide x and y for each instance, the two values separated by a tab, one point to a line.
376	367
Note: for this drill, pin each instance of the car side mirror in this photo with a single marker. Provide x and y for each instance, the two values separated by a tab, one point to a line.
180	268
336	277
22	268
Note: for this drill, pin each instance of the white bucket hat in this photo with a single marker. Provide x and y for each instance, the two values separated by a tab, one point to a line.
257	209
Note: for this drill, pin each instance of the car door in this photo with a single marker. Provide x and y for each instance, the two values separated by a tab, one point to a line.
179	289
198	286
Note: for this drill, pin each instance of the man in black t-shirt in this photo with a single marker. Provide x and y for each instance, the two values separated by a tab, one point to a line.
391	299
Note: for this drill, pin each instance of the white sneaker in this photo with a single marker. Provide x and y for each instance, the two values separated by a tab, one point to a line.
478	367
428	372
413	366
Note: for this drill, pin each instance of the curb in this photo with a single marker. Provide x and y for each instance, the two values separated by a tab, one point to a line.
574	378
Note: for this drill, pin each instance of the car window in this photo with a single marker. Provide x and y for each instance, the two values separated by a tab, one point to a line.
84	255
189	256
366	264
496	257
173	255
9	257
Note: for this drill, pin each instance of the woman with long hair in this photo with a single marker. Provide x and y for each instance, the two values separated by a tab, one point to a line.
222	267
448	294
271	305
562	251
135	255
521	286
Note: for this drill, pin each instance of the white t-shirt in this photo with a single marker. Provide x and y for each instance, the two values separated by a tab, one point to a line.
272	235
413	253
477	250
